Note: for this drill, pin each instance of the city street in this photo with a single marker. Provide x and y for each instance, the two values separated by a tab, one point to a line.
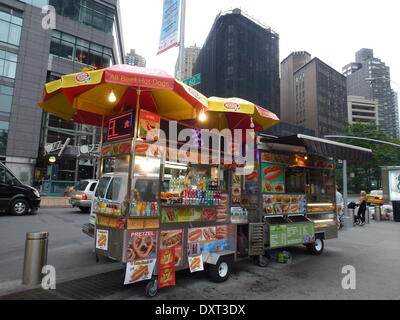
373	251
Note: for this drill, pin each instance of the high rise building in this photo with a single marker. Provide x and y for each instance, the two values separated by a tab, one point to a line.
313	94
369	77
361	110
191	55
87	33
240	58
134	59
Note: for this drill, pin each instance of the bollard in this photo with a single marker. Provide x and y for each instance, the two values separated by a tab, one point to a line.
36	245
367	215
377	213
347	219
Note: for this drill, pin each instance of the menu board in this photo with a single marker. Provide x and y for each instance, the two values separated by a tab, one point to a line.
273	178
284	204
291	234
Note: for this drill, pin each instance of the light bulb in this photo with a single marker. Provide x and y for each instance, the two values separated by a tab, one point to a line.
112	97
202	116
252	123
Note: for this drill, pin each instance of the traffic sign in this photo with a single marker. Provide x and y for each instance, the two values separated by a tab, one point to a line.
195	80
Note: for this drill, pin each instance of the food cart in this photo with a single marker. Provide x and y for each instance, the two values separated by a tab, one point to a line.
161	208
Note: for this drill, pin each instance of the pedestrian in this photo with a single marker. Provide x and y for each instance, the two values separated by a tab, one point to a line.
339	206
362	203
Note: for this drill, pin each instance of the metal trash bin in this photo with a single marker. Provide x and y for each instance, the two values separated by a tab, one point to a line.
35	258
377	213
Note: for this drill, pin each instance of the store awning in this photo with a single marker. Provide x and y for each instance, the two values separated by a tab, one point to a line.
333	149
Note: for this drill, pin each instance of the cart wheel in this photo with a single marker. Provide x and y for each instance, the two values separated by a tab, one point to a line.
317	247
151	289
221	271
261	261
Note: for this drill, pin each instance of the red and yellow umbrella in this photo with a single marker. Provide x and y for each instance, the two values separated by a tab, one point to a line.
234	113
89	95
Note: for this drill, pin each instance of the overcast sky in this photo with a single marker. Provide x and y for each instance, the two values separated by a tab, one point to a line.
330	30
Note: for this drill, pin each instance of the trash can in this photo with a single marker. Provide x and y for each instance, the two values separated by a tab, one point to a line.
396	211
377	213
35	258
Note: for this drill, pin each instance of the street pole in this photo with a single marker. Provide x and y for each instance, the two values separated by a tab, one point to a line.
182	41
347	220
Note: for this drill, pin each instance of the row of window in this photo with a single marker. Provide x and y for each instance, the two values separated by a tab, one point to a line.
10	25
8	64
36	3
79	50
88	12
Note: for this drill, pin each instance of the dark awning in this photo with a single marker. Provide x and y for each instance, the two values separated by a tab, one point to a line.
324	147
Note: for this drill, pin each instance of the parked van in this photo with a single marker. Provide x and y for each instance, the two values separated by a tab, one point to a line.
16	198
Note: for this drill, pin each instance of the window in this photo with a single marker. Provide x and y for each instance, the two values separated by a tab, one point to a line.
10	25
93	186
103	184
8	64
3	136
88	12
6	95
82	51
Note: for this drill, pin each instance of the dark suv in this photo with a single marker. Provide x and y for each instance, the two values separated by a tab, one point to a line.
16	198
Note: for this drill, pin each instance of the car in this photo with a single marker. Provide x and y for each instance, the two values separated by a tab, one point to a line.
82	194
375	197
67	192
16	198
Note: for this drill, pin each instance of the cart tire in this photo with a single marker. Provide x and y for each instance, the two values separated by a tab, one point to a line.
84	209
317	247
261	261
151	289
220	272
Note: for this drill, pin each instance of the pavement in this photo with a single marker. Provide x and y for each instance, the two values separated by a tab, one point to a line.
373	251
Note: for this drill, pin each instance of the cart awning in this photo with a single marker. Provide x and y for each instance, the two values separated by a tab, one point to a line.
324	147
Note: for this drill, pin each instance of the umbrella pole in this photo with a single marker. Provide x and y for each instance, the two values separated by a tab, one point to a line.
100	163
133	151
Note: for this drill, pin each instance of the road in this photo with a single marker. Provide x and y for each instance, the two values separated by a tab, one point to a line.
373	250
70	251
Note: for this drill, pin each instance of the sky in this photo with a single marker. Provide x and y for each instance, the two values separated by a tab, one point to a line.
330	30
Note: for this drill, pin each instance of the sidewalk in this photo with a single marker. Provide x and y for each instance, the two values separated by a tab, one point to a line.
55	202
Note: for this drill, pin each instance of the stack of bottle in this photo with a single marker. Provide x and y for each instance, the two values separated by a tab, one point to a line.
201	197
144	209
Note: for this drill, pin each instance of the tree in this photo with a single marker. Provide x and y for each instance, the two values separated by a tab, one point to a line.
382	155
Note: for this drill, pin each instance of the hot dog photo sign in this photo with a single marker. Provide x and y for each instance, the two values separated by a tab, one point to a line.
273	178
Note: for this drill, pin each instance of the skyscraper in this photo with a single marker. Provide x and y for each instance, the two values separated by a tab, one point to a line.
369	77
191	55
88	33
313	94
240	58
134	59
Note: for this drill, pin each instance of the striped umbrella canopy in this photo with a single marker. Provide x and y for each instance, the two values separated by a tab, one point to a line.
90	95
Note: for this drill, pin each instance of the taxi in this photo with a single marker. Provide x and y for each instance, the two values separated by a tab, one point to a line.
375	197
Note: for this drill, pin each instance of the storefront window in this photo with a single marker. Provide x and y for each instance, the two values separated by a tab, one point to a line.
3	136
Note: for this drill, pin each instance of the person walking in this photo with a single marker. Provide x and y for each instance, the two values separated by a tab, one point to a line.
339	207
362	203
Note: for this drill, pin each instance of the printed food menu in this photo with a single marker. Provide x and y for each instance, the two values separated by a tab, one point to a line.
284	204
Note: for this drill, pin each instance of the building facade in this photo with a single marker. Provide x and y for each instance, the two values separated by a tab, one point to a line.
240	58
191	54
313	95
361	110
369	77
134	59
87	34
